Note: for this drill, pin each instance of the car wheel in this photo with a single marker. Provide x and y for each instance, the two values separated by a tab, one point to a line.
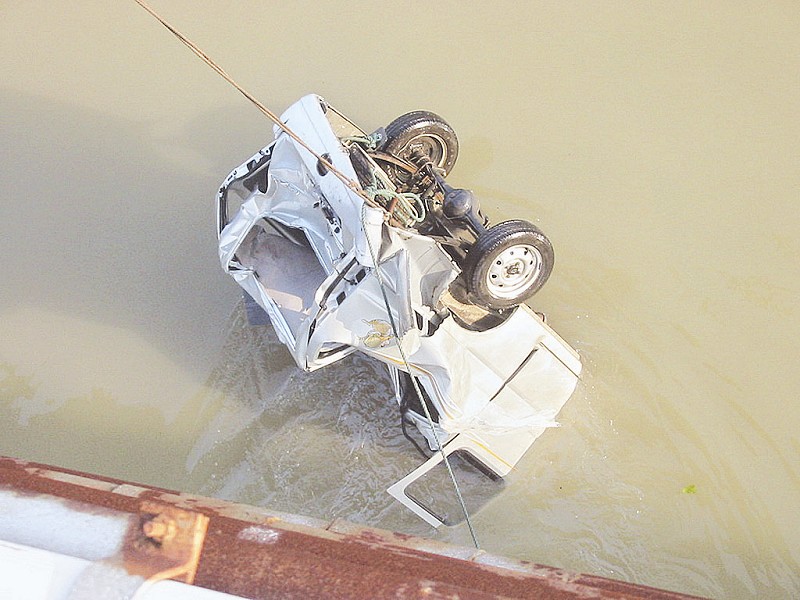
425	134
508	264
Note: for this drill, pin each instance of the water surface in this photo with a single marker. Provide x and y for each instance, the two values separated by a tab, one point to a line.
655	144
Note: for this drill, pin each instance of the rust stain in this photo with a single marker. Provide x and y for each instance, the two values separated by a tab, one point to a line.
165	542
250	552
160	529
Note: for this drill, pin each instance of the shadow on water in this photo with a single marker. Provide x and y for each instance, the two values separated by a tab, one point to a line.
100	225
112	304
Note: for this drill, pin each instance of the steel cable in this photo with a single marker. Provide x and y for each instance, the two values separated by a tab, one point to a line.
355	188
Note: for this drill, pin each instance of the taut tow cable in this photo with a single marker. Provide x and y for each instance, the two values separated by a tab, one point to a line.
264	110
368	199
439	448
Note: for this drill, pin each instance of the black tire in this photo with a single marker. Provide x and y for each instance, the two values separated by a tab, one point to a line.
508	264
425	132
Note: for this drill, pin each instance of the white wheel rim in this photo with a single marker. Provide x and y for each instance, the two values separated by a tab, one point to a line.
513	270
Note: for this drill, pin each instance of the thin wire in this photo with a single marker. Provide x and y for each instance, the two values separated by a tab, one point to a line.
415	383
267	112
355	188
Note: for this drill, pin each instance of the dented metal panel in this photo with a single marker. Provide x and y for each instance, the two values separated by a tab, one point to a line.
337	270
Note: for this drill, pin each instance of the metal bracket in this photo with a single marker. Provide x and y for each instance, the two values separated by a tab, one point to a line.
161	542
164	543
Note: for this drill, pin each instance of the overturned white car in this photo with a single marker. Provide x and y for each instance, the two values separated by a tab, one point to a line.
354	241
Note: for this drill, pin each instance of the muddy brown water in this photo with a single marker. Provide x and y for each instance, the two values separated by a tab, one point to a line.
655	144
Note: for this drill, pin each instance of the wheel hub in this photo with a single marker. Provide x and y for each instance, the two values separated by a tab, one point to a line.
428	146
513	270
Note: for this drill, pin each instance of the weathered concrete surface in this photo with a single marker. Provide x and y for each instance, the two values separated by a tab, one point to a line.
257	553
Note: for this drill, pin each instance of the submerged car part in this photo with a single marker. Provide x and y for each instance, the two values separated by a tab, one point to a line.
324	259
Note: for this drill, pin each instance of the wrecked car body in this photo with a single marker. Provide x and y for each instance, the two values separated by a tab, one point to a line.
355	242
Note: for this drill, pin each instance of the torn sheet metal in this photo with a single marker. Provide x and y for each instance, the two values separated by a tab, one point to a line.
303	245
